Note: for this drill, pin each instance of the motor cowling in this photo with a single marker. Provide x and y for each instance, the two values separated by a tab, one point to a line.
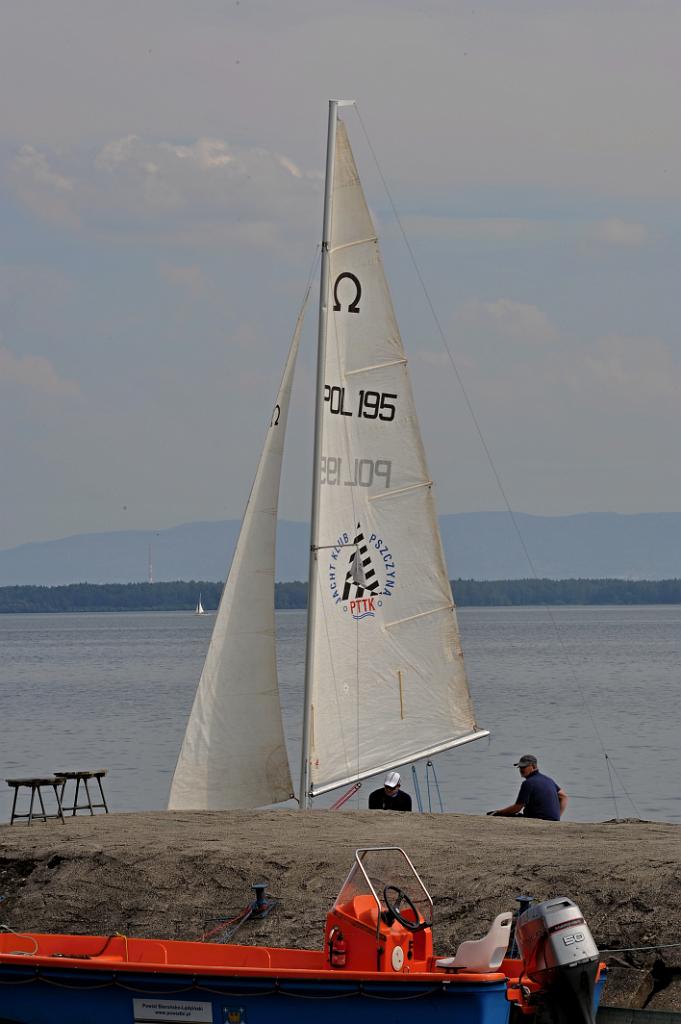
560	955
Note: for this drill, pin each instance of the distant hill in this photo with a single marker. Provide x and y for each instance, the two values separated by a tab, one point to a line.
478	545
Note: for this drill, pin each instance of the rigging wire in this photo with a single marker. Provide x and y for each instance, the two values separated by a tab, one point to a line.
431	767
497	477
417	788
313	268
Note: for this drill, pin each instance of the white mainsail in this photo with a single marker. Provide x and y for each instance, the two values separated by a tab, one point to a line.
234	753
387	683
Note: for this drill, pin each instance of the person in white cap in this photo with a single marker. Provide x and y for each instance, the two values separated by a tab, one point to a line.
391	797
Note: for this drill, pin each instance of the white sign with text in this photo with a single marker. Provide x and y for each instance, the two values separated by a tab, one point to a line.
151	1010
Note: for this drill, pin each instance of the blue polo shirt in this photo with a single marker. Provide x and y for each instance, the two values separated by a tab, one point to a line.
539	797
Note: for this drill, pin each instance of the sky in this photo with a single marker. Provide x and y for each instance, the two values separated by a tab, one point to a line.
161	186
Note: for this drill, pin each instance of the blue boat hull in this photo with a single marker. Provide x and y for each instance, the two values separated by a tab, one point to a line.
103	997
62	995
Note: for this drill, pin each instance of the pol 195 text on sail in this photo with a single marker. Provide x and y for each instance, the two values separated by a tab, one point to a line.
371	405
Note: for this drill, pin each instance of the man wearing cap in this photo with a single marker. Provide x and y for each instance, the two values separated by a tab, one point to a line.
539	796
391	797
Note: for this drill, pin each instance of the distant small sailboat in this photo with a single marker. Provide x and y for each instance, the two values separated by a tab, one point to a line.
199	610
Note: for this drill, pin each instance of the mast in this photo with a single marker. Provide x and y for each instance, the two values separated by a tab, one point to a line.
304	796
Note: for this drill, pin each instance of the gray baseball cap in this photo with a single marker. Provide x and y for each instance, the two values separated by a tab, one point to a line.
525	760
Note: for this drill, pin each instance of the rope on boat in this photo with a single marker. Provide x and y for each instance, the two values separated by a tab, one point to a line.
261	906
20	935
195	986
497	477
61	956
226	929
642	949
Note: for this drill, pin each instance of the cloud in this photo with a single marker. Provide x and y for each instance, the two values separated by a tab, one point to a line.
34	374
190	278
36	166
39	304
528	231
481	229
19	285
515	359
190	192
635	373
49	194
505	318
621	232
575	95
571	421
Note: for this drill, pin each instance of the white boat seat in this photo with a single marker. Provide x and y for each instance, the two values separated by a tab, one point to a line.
481	955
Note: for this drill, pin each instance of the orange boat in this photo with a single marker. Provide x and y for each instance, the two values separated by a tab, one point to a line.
377	964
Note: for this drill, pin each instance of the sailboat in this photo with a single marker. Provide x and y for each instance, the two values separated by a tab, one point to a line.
199	610
385	682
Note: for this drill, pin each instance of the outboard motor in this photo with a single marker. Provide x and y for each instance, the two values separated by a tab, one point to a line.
559	953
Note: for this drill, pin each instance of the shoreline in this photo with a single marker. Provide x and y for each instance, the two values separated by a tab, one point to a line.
168	874
181	595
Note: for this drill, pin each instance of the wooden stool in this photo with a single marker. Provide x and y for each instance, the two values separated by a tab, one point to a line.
84	777
35	785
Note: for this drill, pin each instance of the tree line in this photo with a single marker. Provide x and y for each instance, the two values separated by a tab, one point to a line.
183	595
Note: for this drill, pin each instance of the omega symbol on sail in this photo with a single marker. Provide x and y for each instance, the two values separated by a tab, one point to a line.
353	307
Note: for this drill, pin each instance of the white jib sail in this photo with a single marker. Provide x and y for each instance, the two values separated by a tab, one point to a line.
389	684
234	753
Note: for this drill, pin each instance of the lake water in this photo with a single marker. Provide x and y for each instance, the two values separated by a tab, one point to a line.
114	691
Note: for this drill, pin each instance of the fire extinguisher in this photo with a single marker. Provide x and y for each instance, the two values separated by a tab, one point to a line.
337	948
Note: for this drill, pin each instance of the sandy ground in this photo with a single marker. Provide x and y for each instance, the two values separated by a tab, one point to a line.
173	874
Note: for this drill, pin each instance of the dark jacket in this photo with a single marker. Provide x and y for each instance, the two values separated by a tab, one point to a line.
380	801
539	797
